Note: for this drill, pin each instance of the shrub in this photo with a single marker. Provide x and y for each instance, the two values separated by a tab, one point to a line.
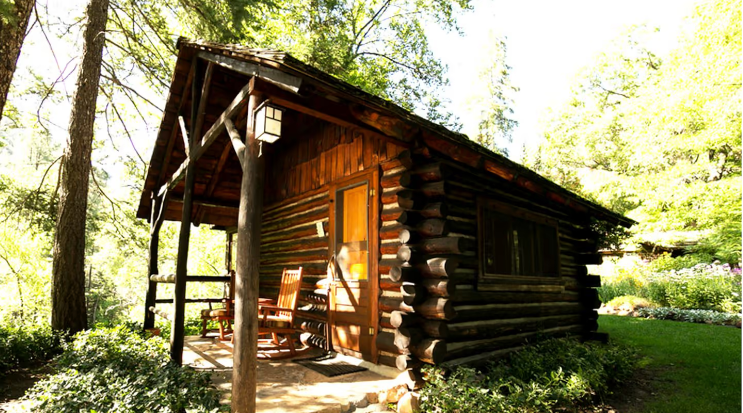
692	316
24	344
626	285
116	370
629	303
540	378
703	286
666	263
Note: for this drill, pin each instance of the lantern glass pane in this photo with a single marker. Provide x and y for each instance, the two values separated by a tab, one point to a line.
277	114
260	122
273	126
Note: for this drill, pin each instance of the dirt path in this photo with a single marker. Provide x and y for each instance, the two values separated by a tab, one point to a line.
14	385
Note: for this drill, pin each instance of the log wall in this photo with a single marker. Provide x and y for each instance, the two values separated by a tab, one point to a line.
431	307
434	309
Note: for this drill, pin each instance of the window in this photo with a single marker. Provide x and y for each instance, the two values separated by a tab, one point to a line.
514	241
352	232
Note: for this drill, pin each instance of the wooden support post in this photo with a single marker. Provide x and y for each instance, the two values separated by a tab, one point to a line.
181	266
155	222
246	282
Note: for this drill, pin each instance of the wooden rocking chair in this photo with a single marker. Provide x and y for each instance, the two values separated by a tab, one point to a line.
276	318
223	316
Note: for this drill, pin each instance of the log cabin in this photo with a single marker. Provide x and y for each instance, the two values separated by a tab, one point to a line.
418	245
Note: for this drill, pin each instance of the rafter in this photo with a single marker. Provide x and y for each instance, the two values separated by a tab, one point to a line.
210	136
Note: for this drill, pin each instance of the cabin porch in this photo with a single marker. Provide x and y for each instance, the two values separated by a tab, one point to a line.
283	385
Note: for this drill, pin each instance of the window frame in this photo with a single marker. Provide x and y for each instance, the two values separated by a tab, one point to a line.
338	206
512	211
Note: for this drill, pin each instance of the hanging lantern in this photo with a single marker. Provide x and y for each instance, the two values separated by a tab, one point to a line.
268	122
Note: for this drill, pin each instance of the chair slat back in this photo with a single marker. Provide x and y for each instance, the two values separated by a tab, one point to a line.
291	282
230	293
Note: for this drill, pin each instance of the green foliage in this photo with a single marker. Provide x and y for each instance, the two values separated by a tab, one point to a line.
379	46
629	301
608	236
692	316
117	370
703	286
7	13
553	374
659	140
620	287
27	343
665	262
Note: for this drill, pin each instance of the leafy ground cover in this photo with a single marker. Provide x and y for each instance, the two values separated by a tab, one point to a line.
552	375
692	316
24	345
698	366
118	370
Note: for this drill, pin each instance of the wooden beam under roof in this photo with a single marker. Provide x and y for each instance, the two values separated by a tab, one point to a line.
210	136
174	129
198	124
328	110
269	74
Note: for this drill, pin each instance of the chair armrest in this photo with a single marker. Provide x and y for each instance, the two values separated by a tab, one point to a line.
274	308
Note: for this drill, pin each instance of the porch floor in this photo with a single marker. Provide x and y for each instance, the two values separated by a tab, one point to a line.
284	386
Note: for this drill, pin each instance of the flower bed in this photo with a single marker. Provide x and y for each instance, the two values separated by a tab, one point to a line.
692	316
700	287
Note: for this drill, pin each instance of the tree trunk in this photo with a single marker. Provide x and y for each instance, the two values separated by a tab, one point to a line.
68	279
12	34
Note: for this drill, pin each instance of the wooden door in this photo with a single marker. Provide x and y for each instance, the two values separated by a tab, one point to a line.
353	291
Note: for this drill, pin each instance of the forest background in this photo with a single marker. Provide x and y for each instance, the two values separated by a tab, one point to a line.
655	136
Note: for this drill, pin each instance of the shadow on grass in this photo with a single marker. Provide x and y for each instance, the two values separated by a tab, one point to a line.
690	368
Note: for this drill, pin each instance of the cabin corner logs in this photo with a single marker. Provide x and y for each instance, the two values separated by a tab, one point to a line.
431	308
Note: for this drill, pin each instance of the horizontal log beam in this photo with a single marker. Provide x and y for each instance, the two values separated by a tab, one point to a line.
459	349
429	350
170	278
432	172
281	79
191	300
498	327
515	310
386	342
161	313
403	159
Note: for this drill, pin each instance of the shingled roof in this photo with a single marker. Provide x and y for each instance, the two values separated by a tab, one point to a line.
454	144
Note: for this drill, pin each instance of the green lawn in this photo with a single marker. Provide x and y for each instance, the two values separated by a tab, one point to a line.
698	364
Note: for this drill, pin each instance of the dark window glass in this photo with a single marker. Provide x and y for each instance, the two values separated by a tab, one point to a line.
514	245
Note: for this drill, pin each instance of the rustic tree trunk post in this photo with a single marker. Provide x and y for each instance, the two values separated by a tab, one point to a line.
155	223
246	282
181	267
12	35
68	272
